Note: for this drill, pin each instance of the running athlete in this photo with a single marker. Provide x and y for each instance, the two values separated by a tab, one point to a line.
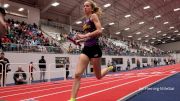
91	51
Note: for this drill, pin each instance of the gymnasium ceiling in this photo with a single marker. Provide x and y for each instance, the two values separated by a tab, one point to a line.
143	25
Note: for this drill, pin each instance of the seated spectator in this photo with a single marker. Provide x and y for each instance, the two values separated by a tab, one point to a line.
19	76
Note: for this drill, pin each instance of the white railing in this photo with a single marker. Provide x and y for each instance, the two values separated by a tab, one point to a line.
50	74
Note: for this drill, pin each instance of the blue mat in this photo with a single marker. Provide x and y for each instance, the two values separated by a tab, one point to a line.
166	90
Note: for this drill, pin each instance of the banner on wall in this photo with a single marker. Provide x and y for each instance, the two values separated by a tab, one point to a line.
61	61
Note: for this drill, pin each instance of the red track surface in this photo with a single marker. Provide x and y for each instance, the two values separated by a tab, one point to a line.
110	88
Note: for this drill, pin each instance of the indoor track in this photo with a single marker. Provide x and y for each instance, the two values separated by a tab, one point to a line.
113	87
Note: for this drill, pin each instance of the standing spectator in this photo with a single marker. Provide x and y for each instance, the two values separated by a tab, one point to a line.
70	49
128	64
20	76
109	63
138	64
31	67
42	67
66	63
3	66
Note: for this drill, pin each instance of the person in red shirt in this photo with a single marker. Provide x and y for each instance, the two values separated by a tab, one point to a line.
31	68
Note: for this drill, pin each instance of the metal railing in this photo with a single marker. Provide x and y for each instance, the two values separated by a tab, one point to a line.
1	74
50	74
10	47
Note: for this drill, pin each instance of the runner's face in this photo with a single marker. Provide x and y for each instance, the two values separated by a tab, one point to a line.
87	8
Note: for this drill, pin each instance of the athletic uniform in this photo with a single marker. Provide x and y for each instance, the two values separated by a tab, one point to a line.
91	46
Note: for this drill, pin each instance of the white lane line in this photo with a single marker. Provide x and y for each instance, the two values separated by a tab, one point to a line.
63	87
139	90
44	84
64	91
112	87
115	87
55	84
70	89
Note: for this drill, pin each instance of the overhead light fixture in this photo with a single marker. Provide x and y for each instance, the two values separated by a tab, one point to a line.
141	23
176	31
153	38
171	27
151	27
127	16
164	34
138	33
21	9
146	41
168	37
146	7
166	23
55	4
6	5
126	29
159	40
78	22
130	36
147	36
177	9
158	16
152	42
139	38
102	28
163	42
112	23
172	39
158	31
178	34
107	5
118	33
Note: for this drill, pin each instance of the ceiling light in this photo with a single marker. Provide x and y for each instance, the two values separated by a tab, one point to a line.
21	9
176	31
153	38
107	5
55	4
166	23
112	23
139	38
78	22
152	42
178	34
118	33
177	9
138	33
168	37
151	28
6	5
146	41
147	36
127	16
159	40
146	7
126	29
141	23
164	34
130	36
171	27
158	31
102	28
158	16
173	39
163	42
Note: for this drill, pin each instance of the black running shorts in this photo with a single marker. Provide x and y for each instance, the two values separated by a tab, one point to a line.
92	51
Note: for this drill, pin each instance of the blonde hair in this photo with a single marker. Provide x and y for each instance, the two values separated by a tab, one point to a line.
95	8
